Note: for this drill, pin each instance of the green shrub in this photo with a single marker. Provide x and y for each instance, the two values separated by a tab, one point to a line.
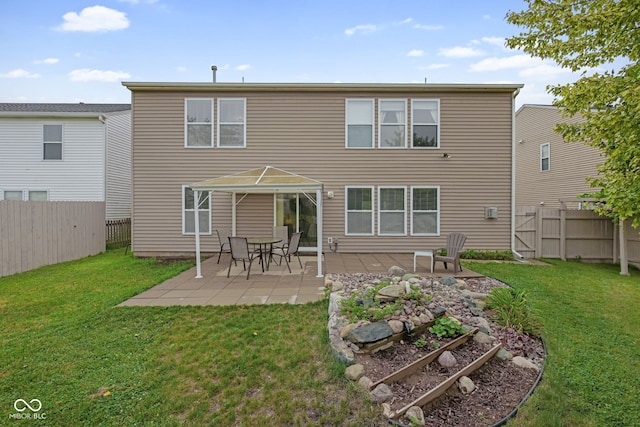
446	327
487	255
512	310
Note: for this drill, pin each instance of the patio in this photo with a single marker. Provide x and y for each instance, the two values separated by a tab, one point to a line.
276	285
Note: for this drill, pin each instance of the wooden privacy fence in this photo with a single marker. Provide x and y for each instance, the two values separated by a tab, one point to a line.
571	234
118	232
33	234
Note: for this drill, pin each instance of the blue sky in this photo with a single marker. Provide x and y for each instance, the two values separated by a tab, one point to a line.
81	51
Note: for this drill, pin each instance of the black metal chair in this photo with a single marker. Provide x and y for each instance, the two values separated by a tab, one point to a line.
223	240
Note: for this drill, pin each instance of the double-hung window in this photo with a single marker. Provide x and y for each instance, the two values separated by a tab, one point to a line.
188	211
425	119
425	211
359	211
198	122
359	132
392	211
52	142
392	123
545	154
231	122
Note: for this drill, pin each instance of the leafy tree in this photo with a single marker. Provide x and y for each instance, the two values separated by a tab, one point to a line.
587	36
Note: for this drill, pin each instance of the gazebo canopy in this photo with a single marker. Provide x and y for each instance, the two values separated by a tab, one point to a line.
261	180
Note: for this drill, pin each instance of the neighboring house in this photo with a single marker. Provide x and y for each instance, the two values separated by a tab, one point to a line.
375	167
62	152
547	168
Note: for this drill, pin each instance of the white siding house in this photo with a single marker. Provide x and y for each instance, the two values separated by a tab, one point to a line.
67	152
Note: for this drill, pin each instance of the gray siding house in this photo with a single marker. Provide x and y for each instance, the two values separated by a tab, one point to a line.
547	168
373	167
67	152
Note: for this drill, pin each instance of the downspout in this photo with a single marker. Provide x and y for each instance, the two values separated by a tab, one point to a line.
516	255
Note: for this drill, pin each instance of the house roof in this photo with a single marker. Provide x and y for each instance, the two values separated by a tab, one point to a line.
323	87
56	110
261	180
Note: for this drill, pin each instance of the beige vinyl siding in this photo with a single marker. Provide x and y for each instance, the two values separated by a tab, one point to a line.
304	133
118	154
570	163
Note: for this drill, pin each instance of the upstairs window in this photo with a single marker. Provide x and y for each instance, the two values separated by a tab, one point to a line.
52	142
392	123
544	157
198	123
231	122
359	132
392	211
425	118
359	211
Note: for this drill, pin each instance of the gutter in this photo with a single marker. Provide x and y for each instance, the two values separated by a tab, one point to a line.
515	253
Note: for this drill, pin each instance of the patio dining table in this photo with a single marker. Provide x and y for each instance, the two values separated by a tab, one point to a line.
265	246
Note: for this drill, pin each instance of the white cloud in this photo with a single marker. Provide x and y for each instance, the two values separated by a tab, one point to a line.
496	41
510	62
181	69
406	21
19	74
544	72
87	75
139	1
460	52
93	19
415	52
243	67
433	67
47	61
428	27
362	29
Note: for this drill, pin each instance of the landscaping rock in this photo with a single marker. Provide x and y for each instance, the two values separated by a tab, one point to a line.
448	281
481	323
382	393
369	333
396	271
483	338
341	350
337	286
447	360
365	382
438	311
524	363
396	325
354	372
345	331
386	410
466	385
426	317
407	277
390	293
334	302
504	354
415	415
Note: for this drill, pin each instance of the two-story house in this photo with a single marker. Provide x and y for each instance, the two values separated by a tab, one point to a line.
375	167
549	169
63	152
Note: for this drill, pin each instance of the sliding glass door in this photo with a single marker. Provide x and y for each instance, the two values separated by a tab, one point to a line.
298	212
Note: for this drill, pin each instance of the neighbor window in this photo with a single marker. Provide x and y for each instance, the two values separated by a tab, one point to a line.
52	142
359	211
392	211
425	119
12	195
38	195
544	157
198	123
392	123
425	211
231	122
359	132
188	212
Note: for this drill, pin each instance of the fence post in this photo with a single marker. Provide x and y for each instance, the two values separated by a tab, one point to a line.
624	265
538	249
563	231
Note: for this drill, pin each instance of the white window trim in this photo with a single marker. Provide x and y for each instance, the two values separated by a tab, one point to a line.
380	211
346	124
437	233
347	211
53	142
406	131
186	212
437	147
186	123
548	157
244	123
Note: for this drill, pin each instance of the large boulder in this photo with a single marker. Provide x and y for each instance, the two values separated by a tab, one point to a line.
370	333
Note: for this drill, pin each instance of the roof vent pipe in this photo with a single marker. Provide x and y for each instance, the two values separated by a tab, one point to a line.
214	69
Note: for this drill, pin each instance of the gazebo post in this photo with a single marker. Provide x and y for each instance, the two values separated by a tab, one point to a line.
319	222
196	214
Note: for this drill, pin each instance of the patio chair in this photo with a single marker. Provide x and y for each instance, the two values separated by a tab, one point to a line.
455	242
223	240
291	249
281	231
240	251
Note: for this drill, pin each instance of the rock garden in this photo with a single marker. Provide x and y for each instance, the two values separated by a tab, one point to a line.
436	351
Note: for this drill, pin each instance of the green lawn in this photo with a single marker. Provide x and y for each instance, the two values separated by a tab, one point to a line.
64	341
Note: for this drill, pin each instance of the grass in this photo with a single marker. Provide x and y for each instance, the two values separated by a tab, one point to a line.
64	341
591	318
